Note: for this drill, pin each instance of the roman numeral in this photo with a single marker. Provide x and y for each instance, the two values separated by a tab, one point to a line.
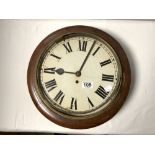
59	97
55	56
101	92
82	45
73	104
49	70
96	51
50	85
107	77
68	47
90	102
105	62
92	46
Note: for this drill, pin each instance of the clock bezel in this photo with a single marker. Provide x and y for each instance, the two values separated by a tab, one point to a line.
56	116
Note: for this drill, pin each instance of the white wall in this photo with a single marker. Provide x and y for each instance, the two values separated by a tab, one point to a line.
19	38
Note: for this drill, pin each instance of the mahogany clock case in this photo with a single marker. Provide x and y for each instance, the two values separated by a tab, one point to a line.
56	116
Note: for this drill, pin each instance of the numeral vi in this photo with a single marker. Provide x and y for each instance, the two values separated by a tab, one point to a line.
73	104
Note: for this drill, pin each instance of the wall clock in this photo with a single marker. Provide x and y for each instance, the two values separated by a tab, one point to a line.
79	77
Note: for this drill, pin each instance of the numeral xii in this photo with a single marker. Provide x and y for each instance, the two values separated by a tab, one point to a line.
82	45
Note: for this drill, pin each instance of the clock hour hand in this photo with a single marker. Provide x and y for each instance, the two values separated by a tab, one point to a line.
61	71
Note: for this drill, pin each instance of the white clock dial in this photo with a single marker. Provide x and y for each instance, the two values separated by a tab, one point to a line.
80	75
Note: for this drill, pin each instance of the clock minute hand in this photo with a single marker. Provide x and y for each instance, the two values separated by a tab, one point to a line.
86	57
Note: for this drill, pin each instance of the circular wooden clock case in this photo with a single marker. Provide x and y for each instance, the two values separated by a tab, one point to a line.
78	77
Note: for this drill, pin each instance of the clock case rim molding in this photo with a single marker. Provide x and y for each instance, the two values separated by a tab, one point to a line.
60	118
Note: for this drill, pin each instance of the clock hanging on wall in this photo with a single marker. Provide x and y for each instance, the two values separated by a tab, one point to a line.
78	77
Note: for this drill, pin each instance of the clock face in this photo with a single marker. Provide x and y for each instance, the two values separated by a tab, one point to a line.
79	77
97	82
